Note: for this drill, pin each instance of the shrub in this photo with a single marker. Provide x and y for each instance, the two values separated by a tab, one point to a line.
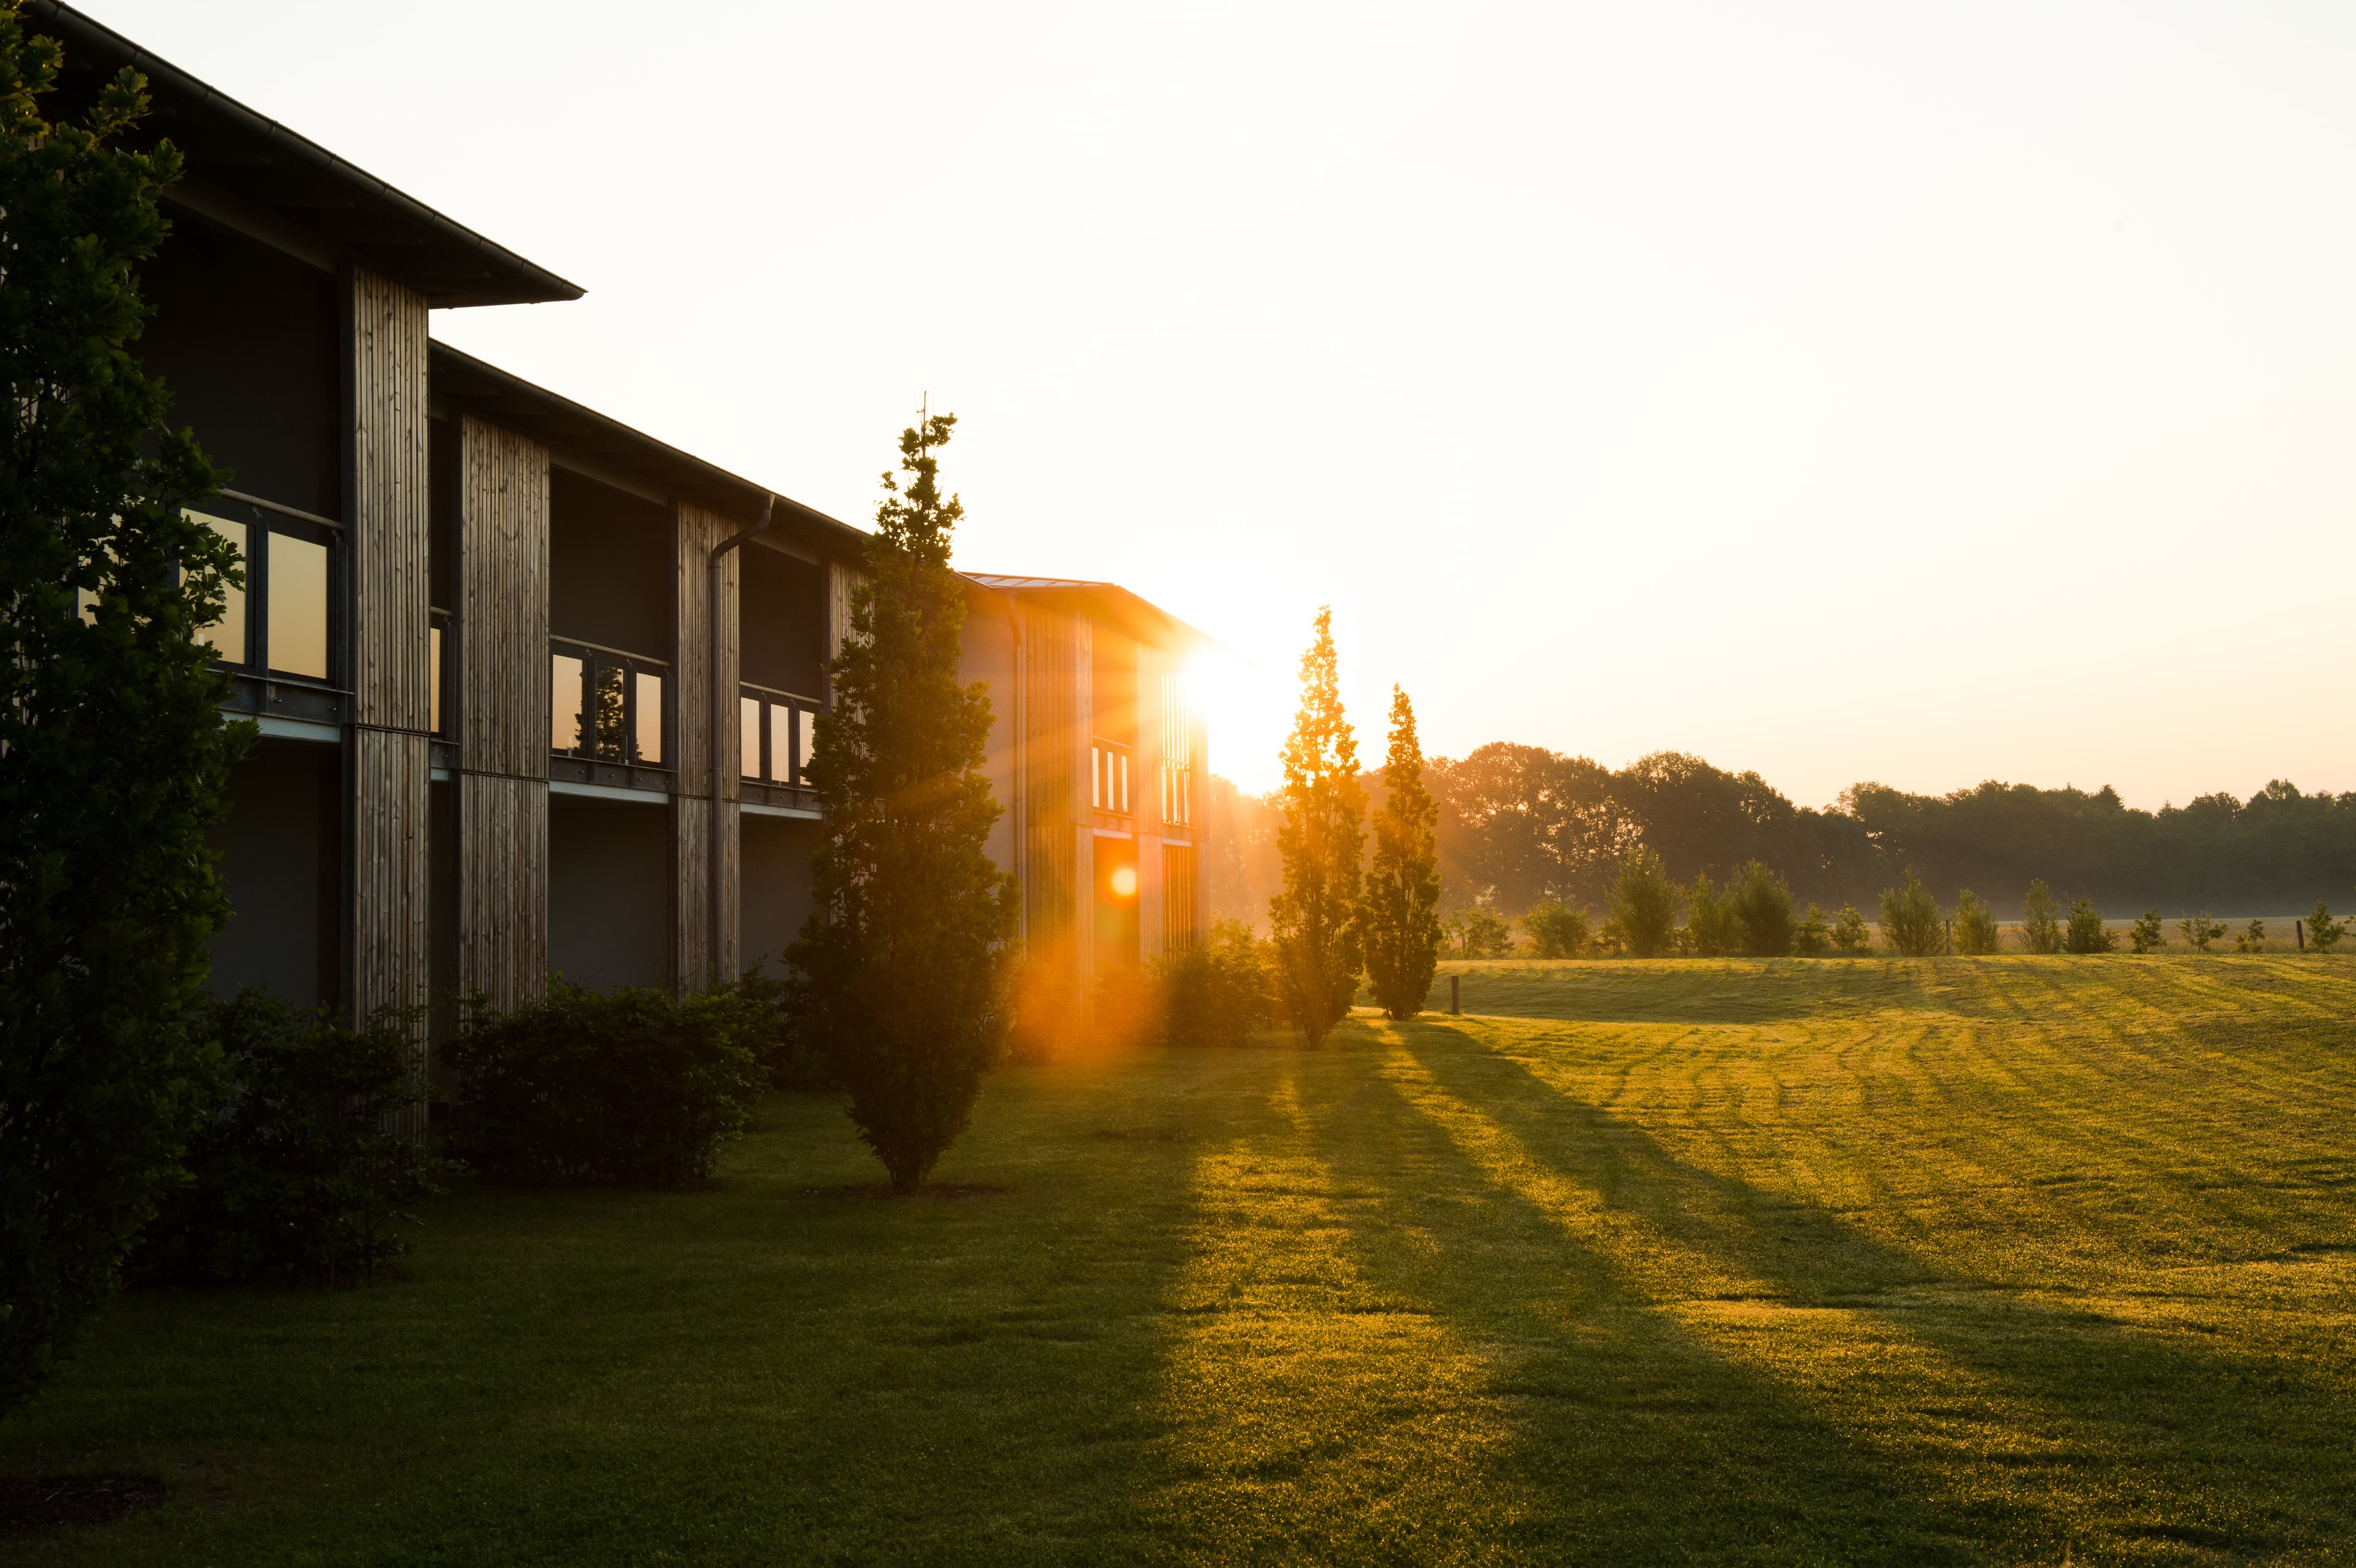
1851	939
1812	934
2147	936
1644	905
2040	919
2252	940
295	1176
1481	933
633	1087
2200	931
2086	933
1558	931
2322	931
1910	919
1710	930
1215	992
769	1013
1975	928
1760	906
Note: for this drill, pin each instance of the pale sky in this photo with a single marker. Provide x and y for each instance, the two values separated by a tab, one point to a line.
1921	393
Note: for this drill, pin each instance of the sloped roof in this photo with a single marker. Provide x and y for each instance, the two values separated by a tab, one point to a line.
236	158
1107	602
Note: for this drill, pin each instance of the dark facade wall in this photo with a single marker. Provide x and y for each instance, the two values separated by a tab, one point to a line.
1113	687
448	464
280	856
609	892
776	885
610	561
781	611
246	340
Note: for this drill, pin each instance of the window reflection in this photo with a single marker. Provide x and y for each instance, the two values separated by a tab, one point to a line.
649	695
298	606
434	678
607	734
226	636
748	737
564	685
781	743
805	740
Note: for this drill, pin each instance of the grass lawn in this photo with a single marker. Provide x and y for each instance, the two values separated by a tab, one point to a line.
1952	1261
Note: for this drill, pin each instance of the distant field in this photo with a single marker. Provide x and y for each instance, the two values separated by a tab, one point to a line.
1948	1261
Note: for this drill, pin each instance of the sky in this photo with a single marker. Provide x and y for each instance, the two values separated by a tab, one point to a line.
1921	393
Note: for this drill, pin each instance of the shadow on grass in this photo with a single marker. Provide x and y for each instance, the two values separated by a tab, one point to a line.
2116	1430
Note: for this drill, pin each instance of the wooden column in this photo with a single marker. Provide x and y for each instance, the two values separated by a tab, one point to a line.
503	715
386	531
696	815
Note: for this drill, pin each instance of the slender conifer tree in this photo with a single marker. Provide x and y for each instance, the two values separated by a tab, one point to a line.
1398	916
905	959
1320	831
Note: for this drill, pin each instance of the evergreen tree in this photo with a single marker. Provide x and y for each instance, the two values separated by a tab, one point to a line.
2086	933
2148	935
1321	830
905	960
1398	914
1761	907
1976	927
1643	904
114	755
2040	919
1910	919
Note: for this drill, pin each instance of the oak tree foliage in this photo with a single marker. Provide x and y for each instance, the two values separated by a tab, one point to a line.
906	957
114	756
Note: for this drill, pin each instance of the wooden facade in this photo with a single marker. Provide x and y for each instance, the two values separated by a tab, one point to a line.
501	649
697	813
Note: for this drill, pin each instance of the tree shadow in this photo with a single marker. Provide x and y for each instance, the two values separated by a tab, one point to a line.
2074	1418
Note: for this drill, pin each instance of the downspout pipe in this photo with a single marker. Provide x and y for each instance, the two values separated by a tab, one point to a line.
719	714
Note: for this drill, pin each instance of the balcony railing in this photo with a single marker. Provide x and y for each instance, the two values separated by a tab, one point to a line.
608	716
1109	781
775	731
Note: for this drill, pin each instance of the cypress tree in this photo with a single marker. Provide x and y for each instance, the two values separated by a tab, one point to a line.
1321	830
904	963
114	755
1400	911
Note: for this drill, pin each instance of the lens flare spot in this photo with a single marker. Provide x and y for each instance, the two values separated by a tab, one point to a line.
1124	882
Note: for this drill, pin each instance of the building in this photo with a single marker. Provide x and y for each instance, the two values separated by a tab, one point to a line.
535	690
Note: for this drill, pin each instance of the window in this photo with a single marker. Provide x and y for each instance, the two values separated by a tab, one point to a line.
566	679
226	636
649	692
434	677
1108	791
775	733
297	597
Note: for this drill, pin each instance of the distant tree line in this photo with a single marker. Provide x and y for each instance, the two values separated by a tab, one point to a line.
1522	826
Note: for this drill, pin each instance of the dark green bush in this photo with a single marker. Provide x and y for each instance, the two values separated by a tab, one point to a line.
2252	940
294	1175
2200	931
1852	938
1760	906
2040	919
769	1011
1480	934
1910	919
1643	901
1215	992
1558	931
2323	931
2148	935
2086	933
624	1088
1812	934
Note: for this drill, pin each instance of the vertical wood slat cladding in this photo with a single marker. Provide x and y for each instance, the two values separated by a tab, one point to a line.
694	814
503	608
503	888
842	582
391	872
1059	861
387	532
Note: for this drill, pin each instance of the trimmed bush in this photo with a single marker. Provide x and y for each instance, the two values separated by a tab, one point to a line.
2040	919
624	1088
1760	906
1851	937
294	1175
1910	923
1215	992
2148	935
1975	928
2086	933
1558	931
